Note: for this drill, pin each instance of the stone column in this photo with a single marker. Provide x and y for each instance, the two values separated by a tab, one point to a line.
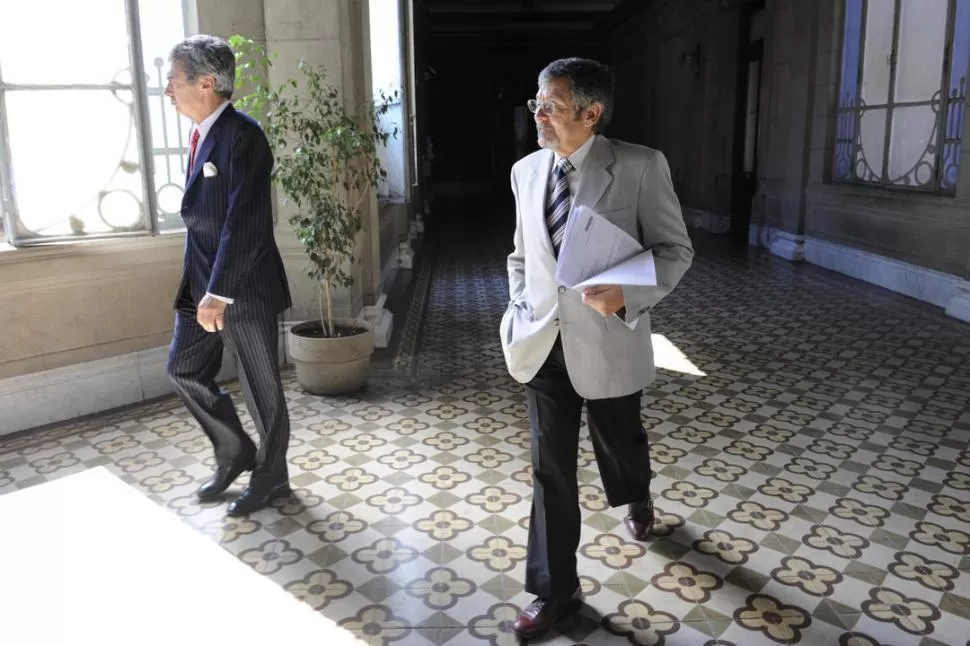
789	75
332	33
227	17
959	304
335	34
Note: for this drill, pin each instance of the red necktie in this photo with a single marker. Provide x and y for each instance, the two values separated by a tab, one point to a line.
195	142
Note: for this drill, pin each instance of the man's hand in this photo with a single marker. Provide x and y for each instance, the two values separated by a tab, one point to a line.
211	314
605	299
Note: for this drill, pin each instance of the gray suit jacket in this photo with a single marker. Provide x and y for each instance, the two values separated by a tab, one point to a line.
605	356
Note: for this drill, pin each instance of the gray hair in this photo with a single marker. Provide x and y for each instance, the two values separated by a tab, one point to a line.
591	81
204	55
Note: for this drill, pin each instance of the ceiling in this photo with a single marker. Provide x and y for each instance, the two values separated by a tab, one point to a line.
517	16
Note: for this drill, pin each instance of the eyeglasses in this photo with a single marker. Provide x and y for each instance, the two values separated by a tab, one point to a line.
547	107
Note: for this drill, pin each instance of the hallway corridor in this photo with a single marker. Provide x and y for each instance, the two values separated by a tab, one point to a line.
810	437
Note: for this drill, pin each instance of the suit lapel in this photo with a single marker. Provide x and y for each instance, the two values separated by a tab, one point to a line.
596	180
538	187
203	153
596	177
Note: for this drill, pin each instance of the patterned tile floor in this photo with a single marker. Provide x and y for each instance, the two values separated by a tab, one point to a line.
813	483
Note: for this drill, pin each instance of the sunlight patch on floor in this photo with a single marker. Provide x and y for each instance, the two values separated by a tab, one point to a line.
668	356
111	564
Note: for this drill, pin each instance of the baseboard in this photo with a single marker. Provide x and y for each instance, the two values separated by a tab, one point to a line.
707	220
927	285
62	394
788	246
381	321
923	284
959	305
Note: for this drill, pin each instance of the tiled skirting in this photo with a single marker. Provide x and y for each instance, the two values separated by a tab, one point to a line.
934	287
50	396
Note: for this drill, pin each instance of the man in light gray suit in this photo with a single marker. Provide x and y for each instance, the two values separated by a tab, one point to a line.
568	346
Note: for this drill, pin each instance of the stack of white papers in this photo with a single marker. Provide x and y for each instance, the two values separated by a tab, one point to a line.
597	252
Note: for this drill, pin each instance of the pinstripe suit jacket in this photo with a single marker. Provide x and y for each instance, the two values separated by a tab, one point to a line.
230	249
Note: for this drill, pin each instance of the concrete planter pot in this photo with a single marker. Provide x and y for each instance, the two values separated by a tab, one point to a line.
331	366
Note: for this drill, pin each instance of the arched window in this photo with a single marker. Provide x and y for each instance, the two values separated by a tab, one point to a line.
88	149
903	93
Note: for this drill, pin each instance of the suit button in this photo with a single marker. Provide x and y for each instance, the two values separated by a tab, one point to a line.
562	290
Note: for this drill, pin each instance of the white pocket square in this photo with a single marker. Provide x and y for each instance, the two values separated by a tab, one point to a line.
209	170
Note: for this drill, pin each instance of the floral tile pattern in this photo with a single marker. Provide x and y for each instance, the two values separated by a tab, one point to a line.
812	486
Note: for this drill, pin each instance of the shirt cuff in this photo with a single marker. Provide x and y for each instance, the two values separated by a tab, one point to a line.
228	301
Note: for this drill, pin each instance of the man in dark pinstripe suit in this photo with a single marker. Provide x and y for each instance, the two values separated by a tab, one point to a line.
233	282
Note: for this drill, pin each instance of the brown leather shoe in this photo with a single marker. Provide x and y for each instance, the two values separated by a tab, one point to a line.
542	614
640	520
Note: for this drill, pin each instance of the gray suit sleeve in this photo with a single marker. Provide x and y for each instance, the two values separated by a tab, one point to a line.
516	259
662	229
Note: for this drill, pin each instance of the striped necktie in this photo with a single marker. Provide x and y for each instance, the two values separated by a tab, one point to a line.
558	207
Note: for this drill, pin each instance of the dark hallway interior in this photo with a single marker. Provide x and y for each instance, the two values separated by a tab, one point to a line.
482	60
477	64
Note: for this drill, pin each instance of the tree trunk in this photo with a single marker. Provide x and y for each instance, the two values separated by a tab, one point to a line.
328	321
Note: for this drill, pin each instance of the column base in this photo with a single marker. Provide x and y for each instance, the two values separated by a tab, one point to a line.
381	320
959	305
787	245
405	255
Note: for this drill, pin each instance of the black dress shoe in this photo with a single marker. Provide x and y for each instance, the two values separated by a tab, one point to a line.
639	522
256	497
224	476
542	614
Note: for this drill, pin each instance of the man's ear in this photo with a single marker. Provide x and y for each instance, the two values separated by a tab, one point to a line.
592	114
208	82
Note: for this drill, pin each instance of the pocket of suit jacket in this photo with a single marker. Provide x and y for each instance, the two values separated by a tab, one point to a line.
515	312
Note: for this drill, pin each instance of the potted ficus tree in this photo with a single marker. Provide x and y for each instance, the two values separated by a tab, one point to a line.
327	166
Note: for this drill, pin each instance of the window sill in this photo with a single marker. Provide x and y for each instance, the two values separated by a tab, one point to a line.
880	194
79	248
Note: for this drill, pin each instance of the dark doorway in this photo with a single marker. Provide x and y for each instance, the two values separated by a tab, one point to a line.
483	58
747	119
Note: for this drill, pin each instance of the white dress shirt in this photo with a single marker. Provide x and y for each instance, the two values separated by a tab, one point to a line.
204	127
